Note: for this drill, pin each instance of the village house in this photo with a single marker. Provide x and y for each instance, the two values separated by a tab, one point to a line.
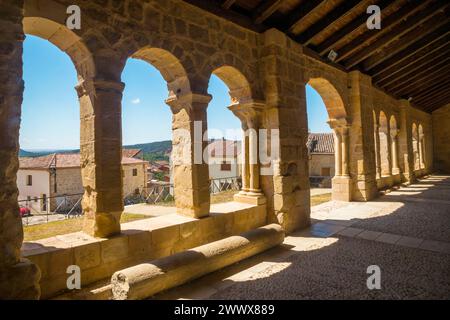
321	159
54	181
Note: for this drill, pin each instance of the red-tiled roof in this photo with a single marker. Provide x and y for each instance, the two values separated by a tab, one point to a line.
62	160
320	143
130	153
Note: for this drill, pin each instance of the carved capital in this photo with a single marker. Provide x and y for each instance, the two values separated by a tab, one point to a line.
92	86
191	102
249	113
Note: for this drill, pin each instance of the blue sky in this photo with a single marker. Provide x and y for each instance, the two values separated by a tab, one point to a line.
50	110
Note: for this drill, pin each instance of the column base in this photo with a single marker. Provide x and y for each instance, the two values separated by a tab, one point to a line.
250	197
341	188
20	281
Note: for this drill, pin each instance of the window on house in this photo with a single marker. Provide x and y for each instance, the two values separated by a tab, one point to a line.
225	166
29	180
326	172
135	172
137	191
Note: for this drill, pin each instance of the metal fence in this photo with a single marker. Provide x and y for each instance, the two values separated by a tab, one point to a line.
46	209
164	192
225	184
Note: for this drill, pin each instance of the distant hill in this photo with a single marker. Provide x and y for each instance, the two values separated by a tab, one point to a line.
152	151
153	147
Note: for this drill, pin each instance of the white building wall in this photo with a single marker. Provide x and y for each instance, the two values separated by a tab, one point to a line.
39	187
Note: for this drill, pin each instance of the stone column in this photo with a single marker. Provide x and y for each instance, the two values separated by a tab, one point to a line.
245	160
337	150
341	182
101	155
394	152
377	150
19	278
405	143
249	114
421	155
344	151
190	171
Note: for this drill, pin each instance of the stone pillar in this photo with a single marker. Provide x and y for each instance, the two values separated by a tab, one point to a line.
341	182
344	151
421	154
250	116
394	152
19	278
245	160
361	137
337	155
405	143
101	155
190	171
377	149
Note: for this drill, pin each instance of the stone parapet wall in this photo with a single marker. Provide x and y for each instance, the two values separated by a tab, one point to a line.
99	258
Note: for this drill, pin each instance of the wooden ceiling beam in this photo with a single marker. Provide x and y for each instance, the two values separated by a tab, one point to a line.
387	23
227	4
417	67
327	21
435	96
265	10
348	29
431	78
424	93
300	13
429	82
437	103
411	37
409	57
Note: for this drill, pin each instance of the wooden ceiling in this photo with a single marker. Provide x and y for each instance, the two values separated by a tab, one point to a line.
407	58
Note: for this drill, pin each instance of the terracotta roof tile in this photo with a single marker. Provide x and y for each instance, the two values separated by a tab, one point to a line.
320	143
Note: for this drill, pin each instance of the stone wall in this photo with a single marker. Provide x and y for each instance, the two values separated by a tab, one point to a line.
133	183
441	139
266	74
319	161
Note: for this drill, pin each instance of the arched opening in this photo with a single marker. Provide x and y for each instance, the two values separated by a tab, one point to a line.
394	144
376	139
421	142
384	143
49	178
232	126
415	146
327	140
153	144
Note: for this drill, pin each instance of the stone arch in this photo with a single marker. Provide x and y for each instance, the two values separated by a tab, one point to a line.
240	90
170	67
47	21
331	97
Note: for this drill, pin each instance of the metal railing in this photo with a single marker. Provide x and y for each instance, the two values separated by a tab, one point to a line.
46	209
225	184
164	192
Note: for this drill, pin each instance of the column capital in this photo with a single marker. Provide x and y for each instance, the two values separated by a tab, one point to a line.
249	113
189	101
339	123
394	133
89	86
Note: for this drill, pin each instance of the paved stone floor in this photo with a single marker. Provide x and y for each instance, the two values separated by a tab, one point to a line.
405	232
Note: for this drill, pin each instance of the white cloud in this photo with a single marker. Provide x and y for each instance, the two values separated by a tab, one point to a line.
136	101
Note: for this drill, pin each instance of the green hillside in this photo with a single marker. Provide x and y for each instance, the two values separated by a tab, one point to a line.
152	151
